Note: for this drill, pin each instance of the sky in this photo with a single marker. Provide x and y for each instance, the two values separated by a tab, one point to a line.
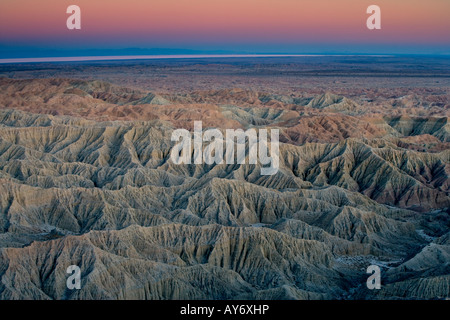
37	28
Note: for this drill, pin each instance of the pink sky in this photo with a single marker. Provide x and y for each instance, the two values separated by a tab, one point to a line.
224	21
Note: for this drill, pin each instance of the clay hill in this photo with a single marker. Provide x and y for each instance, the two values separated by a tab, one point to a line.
86	179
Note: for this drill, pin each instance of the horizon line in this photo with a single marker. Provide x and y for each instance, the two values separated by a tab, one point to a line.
174	56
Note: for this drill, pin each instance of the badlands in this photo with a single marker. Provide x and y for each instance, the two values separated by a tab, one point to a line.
86	180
